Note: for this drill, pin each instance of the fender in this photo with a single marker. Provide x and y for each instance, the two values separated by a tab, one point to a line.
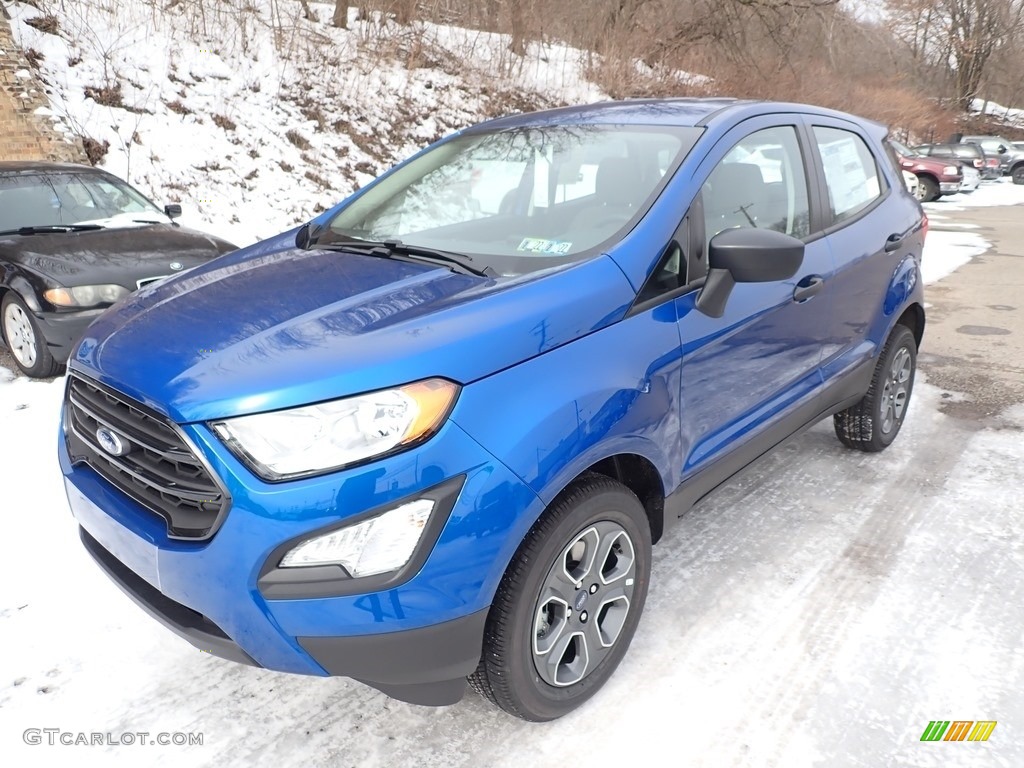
24	289
905	278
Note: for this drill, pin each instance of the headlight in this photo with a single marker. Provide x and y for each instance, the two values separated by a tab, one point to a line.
378	545
85	295
951	170
328	436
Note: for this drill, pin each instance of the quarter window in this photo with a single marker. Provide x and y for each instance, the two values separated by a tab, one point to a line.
851	173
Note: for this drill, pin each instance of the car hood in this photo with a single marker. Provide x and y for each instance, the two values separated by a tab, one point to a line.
273	326
120	255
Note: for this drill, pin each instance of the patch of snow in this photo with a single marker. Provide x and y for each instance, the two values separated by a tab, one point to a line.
945	252
991	193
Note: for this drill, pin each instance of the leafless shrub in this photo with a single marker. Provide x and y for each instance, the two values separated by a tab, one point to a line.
107	95
317	179
95	151
48	23
33	57
298	139
222	121
178	107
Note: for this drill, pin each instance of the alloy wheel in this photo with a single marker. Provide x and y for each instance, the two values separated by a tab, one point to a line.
21	337
896	389
583	604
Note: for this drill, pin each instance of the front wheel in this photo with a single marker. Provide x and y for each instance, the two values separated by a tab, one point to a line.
569	603
927	189
873	423
1018	175
24	339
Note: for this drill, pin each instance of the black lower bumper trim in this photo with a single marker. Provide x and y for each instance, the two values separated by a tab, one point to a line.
183	621
422	666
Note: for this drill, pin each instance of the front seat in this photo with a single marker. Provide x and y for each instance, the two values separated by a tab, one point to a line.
618	193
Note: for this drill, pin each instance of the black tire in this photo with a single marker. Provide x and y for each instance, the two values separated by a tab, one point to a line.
927	189
509	674
873	423
1018	174
29	350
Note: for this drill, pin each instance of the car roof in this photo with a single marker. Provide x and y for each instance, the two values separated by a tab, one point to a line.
682	112
35	166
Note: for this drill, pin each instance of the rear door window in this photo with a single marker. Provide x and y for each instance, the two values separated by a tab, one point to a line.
851	172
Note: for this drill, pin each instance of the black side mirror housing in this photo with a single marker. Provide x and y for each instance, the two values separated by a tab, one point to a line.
746	256
1002	149
173	210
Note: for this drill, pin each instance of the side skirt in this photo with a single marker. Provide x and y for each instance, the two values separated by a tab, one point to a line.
840	393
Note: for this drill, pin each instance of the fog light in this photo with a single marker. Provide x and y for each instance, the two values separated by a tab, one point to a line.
378	545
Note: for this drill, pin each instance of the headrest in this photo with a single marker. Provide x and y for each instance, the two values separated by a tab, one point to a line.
618	181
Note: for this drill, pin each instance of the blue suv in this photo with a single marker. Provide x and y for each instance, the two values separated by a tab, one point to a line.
432	434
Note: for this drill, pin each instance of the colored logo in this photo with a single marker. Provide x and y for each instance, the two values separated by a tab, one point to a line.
958	730
111	442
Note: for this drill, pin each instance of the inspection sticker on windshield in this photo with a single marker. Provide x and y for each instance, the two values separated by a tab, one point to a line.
539	245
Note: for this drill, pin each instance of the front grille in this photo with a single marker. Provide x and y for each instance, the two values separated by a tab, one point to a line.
156	467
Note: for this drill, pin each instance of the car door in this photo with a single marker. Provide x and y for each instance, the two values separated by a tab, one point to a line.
869	235
755	370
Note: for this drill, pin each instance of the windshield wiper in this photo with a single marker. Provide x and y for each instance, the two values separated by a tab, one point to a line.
51	228
389	249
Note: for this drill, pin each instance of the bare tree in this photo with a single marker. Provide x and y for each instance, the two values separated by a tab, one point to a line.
340	14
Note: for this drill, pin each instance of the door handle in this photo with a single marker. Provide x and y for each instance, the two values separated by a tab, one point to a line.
893	242
808	288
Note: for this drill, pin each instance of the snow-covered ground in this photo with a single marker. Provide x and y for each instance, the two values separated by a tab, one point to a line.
818	611
1012	117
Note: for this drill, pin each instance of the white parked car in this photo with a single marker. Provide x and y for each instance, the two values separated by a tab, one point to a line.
972	179
911	181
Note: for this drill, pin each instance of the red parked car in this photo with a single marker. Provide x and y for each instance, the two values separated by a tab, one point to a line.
936	177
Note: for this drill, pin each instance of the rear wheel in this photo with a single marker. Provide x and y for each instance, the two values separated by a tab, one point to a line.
927	189
872	424
568	606
24	339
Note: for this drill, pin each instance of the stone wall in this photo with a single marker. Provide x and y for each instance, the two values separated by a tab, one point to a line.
24	134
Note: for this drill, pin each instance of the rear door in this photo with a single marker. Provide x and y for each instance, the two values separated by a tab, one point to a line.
869	227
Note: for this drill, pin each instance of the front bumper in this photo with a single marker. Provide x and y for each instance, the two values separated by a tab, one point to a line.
62	330
421	666
415	640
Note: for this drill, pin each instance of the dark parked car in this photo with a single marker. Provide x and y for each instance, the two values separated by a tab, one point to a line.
73	241
496	376
1011	158
967	154
936	177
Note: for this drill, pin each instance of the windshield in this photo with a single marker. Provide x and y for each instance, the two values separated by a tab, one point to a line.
521	200
56	199
902	150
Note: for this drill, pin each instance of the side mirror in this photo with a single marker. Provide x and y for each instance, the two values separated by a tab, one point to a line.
746	256
1002	150
173	210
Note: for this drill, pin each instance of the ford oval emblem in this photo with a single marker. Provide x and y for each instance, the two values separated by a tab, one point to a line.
111	442
176	265
581	599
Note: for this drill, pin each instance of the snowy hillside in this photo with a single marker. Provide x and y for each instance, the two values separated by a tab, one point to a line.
1013	118
255	120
